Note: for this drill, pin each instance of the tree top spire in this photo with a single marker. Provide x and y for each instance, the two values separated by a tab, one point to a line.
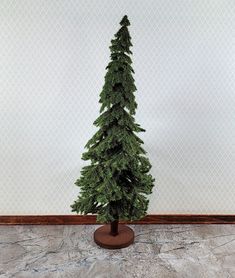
125	21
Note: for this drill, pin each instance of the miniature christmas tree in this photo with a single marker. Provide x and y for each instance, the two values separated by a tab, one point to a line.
116	183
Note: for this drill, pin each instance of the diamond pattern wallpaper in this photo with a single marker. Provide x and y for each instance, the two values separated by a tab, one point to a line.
53	56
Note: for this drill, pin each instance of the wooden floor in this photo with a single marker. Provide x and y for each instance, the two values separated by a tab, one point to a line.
162	251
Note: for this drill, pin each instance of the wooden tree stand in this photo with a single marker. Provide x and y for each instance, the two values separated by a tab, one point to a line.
114	236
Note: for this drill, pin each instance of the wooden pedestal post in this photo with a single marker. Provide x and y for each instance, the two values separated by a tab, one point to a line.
114	236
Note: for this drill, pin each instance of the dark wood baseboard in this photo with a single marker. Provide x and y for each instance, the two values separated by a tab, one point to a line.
91	219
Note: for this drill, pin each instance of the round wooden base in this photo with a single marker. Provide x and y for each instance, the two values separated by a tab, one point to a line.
103	238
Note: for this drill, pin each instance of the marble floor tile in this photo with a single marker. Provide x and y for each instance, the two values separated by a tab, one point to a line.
164	251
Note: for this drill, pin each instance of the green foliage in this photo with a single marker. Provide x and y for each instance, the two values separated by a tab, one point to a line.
116	183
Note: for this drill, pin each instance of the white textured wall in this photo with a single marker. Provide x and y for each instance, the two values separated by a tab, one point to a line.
53	56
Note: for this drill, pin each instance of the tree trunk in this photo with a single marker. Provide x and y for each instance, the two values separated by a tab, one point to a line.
114	228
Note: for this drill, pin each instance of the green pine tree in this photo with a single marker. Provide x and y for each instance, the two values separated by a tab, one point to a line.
116	183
